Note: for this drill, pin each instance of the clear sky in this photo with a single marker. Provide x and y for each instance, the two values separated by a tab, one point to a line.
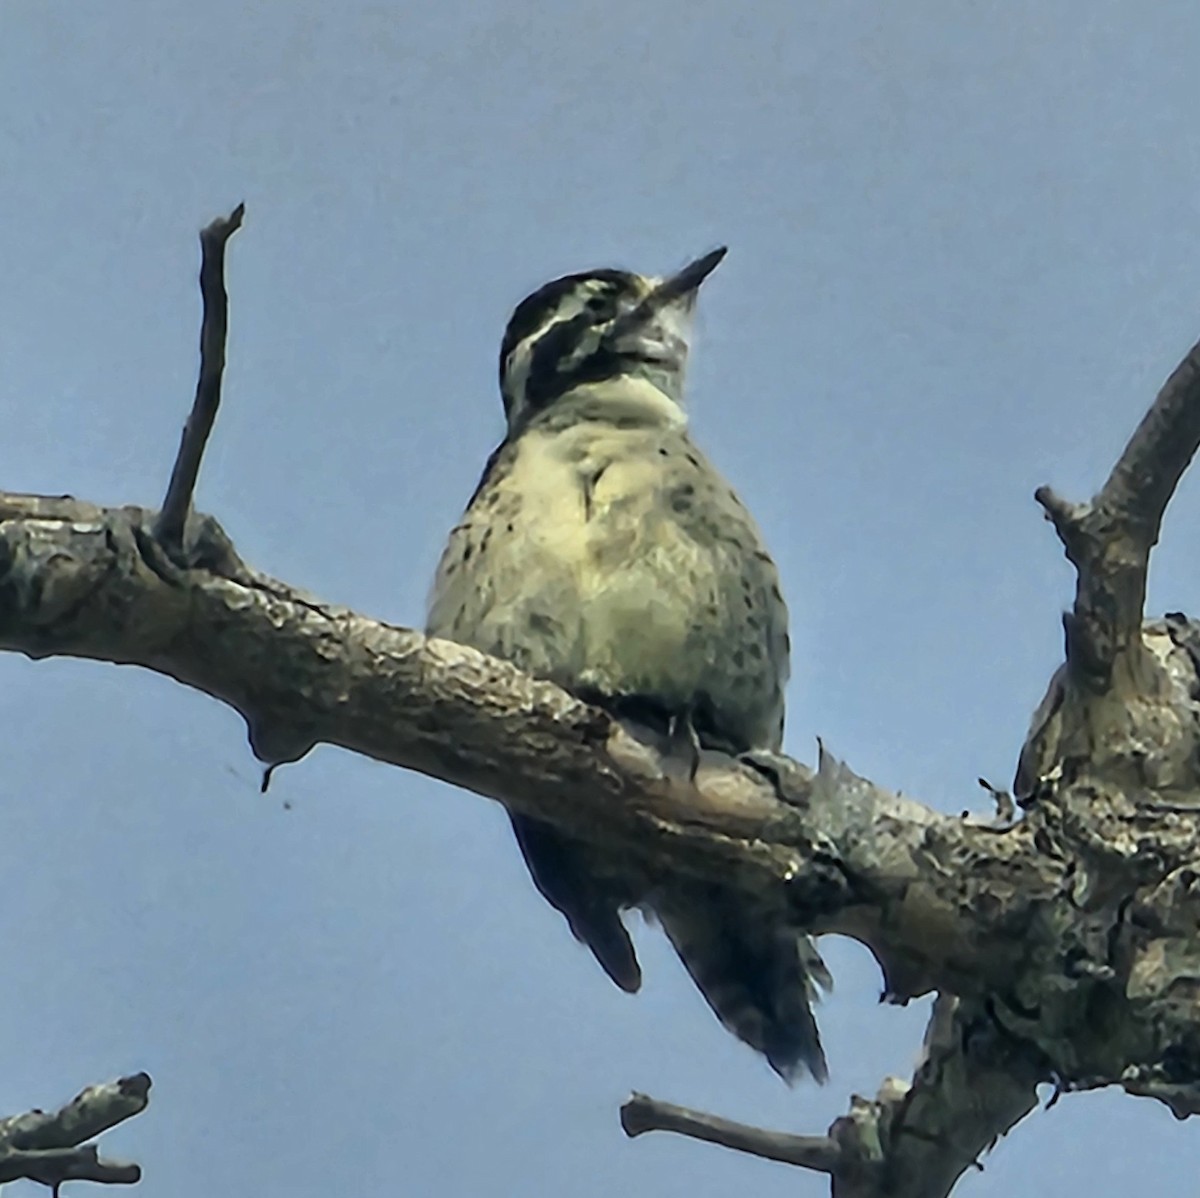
963	255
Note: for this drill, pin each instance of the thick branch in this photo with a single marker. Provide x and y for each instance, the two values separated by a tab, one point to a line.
1118	718
53	1166
1109	539
89	1113
48	1147
848	856
974	1083
944	903
1063	946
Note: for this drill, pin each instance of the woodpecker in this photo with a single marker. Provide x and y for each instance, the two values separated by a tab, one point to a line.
602	551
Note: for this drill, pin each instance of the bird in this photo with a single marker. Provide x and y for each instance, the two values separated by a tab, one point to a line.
602	551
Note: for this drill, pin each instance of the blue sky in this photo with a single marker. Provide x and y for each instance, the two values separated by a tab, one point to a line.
963	257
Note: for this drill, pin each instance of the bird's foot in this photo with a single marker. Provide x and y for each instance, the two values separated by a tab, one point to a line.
683	744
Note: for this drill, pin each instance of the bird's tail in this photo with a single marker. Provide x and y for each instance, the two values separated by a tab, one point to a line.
758	975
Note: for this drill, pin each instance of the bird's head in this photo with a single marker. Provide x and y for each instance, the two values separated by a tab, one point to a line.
596	326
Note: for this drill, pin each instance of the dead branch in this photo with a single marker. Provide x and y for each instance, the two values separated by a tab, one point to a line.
214	327
642	1114
48	1147
846	855
1109	539
973	1084
1062	946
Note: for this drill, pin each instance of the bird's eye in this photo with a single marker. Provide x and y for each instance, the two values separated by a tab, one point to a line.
597	303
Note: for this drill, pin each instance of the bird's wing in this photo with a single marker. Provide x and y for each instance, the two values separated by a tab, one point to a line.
562	872
485	606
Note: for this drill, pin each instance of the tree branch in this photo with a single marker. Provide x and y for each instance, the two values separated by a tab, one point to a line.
1063	946
1112	721
845	855
1109	539
48	1147
944	903
911	1141
53	1166
169	527
642	1114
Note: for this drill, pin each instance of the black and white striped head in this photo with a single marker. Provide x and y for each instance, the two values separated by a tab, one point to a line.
599	325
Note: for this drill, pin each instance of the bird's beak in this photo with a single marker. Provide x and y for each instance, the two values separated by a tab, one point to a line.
681	284
686	280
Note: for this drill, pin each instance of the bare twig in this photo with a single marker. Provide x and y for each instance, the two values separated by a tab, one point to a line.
642	1114
168	529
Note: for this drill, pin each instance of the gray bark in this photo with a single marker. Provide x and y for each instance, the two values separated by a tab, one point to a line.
48	1146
